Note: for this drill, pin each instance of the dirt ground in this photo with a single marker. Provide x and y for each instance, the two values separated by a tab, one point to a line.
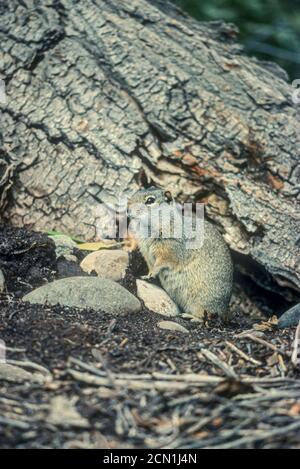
130	384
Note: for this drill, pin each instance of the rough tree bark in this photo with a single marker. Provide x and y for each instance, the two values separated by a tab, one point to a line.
105	95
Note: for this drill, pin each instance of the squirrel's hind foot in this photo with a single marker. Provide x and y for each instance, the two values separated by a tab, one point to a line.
201	315
191	317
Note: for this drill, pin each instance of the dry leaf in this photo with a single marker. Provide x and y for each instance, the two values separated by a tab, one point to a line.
217	422
232	387
266	325
201	435
97	245
295	410
272	359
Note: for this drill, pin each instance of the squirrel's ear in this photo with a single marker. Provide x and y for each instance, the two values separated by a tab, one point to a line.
168	196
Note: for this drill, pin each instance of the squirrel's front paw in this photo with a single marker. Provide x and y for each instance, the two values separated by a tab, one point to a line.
148	276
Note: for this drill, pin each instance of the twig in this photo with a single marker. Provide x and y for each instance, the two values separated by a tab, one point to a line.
143	384
296	347
260	435
264	342
228	370
27	405
243	354
103	373
15	350
104	365
14	423
189	378
159	380
270	395
30	364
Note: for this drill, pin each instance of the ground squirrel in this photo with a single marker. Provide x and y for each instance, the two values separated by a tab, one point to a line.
198	280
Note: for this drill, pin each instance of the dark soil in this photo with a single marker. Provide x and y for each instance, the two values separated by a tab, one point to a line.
134	344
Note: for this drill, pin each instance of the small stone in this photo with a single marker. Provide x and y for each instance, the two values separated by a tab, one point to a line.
15	374
2	281
110	264
70	258
64	245
172	326
290	318
156	299
99	294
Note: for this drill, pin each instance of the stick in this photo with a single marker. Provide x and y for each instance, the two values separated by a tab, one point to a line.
243	354
142	384
14	423
228	370
30	364
261	435
263	342
296	348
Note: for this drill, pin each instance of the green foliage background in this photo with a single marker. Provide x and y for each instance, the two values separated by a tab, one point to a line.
270	29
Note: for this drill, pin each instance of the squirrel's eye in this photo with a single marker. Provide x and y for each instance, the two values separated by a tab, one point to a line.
150	200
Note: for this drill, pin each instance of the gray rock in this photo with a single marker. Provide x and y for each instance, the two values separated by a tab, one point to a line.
172	326
97	293
64	246
156	299
108	263
2	281
290	318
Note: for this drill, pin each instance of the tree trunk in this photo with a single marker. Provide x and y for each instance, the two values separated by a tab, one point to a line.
106	95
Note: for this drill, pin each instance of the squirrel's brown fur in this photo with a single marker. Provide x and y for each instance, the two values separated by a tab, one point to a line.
198	280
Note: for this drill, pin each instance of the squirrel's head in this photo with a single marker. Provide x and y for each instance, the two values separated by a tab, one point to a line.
147	198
